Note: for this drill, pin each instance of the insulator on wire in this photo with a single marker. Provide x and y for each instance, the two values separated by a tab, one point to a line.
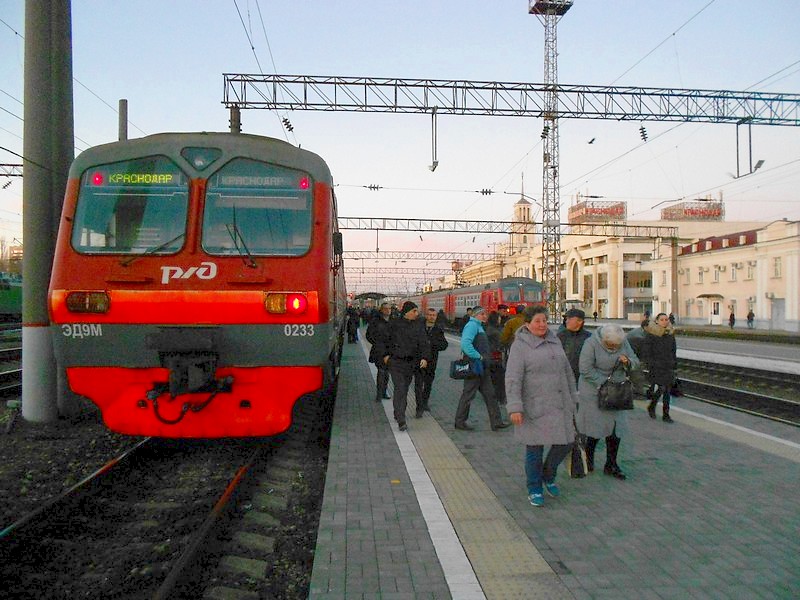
643	133
287	124
486	192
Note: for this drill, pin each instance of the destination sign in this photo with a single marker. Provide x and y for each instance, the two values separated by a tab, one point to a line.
150	171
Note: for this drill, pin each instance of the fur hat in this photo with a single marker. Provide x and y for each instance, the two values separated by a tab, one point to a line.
576	312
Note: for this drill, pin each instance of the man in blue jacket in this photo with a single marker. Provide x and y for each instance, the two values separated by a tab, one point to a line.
475	345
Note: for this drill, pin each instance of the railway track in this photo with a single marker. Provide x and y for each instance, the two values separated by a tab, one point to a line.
166	519
782	410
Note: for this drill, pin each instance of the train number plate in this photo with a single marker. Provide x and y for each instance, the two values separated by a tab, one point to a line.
298	330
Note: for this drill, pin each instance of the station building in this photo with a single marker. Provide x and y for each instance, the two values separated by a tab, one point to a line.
721	266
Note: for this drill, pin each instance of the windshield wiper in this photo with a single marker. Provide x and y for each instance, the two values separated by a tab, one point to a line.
126	261
237	237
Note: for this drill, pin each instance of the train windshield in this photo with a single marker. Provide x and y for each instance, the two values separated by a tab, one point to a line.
132	207
518	292
254	208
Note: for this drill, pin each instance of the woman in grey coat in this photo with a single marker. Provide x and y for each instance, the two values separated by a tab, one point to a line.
541	400
599	355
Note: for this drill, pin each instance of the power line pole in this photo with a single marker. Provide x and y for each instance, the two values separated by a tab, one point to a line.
549	13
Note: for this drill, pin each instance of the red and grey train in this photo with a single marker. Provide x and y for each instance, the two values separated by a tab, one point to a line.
197	288
511	291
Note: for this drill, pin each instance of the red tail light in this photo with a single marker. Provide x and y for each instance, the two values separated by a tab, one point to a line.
293	303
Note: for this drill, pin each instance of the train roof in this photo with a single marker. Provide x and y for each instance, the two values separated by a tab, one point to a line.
485	286
244	145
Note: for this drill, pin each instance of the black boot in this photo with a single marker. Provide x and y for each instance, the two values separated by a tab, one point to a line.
666	418
651	409
612	468
591	444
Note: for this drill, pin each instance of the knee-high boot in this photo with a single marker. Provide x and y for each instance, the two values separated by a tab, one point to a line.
665	406
591	444
612	468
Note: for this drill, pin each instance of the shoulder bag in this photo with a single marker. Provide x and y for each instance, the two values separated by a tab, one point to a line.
616	395
462	369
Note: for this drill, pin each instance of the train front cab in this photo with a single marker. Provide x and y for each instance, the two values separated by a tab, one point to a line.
185	334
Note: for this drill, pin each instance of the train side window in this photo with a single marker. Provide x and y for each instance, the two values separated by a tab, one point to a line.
131	207
259	209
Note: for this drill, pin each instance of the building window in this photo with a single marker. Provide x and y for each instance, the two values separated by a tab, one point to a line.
602	281
602	259
700	275
716	274
688	280
575	281
733	272
776	266
751	270
663	278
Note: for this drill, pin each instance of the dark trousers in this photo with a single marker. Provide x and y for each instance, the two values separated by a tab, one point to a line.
382	380
402	373
423	383
498	375
472	387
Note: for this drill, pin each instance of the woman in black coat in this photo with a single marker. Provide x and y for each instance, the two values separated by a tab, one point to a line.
659	351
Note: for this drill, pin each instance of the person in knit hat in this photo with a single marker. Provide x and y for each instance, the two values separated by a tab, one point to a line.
475	346
406	349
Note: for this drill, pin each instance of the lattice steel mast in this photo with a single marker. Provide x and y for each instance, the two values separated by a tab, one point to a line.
549	13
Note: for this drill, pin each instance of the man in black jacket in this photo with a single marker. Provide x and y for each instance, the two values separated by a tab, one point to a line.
423	378
572	338
407	348
378	336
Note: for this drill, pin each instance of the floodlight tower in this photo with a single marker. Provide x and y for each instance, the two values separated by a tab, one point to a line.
549	13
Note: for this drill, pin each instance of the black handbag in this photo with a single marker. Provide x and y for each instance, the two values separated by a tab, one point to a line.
462	369
616	395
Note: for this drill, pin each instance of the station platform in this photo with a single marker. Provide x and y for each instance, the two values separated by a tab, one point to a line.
710	509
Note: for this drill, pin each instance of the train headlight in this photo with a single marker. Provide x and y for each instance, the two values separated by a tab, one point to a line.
286	303
88	302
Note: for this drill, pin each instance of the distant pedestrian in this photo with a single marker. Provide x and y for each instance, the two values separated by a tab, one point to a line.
750	318
352	324
594	314
660	353
635	338
672	319
510	328
503	314
541	402
378	336
405	350
732	320
572	338
496	364
425	376
475	346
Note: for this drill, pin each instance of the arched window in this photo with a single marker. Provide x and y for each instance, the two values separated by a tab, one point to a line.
575	280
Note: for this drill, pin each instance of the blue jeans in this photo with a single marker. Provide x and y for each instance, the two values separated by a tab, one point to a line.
536	472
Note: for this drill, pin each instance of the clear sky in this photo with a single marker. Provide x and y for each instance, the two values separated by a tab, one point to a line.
167	58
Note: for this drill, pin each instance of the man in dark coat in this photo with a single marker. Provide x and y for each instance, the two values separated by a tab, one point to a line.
378	336
405	349
572	337
423	378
